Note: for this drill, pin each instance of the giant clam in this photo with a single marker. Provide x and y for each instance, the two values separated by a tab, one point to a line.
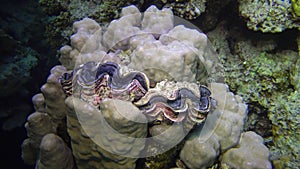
93	82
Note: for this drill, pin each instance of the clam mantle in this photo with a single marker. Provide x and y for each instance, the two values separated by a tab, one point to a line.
166	102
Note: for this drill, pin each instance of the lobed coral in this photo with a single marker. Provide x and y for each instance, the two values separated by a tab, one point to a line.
249	142
269	16
63	13
76	120
54	153
49	116
202	148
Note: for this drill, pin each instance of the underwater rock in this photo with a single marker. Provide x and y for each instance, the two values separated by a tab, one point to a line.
196	154
125	32
181	52
66	57
250	153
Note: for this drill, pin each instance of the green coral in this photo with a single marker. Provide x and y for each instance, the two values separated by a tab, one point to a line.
268	80
285	119
295	75
296	7
271	72
268	16
258	75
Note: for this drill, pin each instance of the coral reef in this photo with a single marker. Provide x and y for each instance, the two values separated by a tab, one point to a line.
269	16
285	129
164	160
272	79
97	111
265	76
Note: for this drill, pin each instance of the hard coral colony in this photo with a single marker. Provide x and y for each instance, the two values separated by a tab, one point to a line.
138	80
